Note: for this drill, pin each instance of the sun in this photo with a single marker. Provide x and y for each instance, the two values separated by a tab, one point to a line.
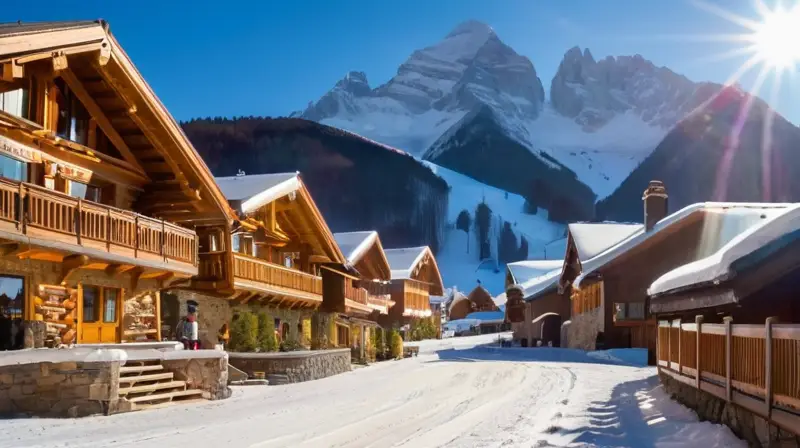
776	40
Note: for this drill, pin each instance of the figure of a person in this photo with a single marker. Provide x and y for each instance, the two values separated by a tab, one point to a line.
190	331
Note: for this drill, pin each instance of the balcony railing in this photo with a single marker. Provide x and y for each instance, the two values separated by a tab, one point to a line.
258	270
38	211
358	295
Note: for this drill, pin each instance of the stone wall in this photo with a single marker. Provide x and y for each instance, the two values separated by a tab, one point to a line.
297	366
746	425
583	329
207	374
59	389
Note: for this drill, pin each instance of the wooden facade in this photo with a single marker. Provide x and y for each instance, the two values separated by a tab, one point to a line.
278	247
415	277
101	194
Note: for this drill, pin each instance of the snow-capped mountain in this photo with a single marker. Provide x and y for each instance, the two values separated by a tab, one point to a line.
603	117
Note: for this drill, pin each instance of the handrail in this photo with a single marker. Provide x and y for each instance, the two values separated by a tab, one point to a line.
34	206
759	361
355	294
256	269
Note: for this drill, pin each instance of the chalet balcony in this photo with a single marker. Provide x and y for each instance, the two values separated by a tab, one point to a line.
31	214
417	300
275	281
356	298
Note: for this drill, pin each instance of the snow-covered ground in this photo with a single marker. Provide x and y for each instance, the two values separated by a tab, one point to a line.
460	267
451	395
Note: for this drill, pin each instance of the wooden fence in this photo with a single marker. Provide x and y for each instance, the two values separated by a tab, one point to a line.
754	366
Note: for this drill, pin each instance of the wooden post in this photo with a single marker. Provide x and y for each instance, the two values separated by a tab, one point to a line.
163	240
728	361
680	343
158	316
768	364
698	320
136	236
78	226
669	345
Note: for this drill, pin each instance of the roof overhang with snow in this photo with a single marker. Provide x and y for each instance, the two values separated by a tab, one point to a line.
365	251
755	246
725	220
282	201
522	271
539	286
418	264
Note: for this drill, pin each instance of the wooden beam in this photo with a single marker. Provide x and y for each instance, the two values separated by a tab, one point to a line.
59	62
12	71
249	297
136	274
104	55
102	120
70	264
113	269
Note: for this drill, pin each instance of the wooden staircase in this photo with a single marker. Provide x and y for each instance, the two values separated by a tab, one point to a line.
145	385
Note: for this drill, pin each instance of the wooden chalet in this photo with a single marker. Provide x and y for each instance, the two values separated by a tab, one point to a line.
359	291
729	323
478	300
415	277
534	306
102	197
275	253
609	290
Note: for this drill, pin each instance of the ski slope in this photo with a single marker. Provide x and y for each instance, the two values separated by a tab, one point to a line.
460	267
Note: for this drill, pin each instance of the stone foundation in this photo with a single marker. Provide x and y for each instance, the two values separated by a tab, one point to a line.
207	374
297	366
583	329
745	424
59	389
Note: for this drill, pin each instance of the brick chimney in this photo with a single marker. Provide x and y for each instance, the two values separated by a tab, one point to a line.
655	204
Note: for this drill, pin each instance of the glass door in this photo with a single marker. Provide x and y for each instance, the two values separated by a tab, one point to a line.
99	315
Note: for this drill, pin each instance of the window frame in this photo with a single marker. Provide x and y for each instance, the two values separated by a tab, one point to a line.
100	305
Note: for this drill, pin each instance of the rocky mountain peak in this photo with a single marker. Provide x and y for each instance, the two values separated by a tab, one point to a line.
473	28
355	83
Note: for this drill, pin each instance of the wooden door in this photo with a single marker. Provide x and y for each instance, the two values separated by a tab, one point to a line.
99	314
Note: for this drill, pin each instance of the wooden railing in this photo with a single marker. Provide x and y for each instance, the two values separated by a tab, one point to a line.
358	295
755	366
255	269
82	222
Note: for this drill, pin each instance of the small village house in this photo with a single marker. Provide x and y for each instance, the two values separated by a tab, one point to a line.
362	293
271	259
478	300
543	309
609	291
518	310
729	325
415	277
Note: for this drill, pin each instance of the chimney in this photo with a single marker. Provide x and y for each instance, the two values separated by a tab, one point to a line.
655	204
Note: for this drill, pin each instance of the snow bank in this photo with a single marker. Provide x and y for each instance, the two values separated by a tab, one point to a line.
84	354
631	356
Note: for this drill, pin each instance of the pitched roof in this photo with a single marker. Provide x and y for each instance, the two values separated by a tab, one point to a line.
590	239
257	190
523	271
729	220
21	28
404	261
719	265
537	286
354	245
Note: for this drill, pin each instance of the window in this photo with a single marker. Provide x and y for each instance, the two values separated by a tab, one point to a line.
85	191
73	119
15	102
13	169
12	307
91	303
110	305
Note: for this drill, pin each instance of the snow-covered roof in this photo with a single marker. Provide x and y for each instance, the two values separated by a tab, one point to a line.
500	299
726	220
257	190
487	317
532	288
523	271
404	261
355	244
717	266
590	239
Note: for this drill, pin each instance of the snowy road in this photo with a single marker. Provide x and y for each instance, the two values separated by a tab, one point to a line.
476	397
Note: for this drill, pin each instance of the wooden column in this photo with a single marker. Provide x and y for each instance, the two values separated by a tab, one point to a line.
768	364
680	343
728	361
698	320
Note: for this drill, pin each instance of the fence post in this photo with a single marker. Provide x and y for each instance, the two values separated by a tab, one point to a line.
78	224
768	364
680	343
698	320
728	362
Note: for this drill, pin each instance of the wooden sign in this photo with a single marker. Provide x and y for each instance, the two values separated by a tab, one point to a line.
75	173
19	151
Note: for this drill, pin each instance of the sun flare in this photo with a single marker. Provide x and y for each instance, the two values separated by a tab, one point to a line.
776	40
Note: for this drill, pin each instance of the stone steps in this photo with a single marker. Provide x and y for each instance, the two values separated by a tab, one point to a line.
146	385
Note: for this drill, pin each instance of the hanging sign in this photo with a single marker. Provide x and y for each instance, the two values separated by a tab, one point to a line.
19	151
75	173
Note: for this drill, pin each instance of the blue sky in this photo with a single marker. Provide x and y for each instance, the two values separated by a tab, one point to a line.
271	57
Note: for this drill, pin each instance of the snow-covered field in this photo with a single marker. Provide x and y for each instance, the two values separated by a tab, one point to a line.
454	394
